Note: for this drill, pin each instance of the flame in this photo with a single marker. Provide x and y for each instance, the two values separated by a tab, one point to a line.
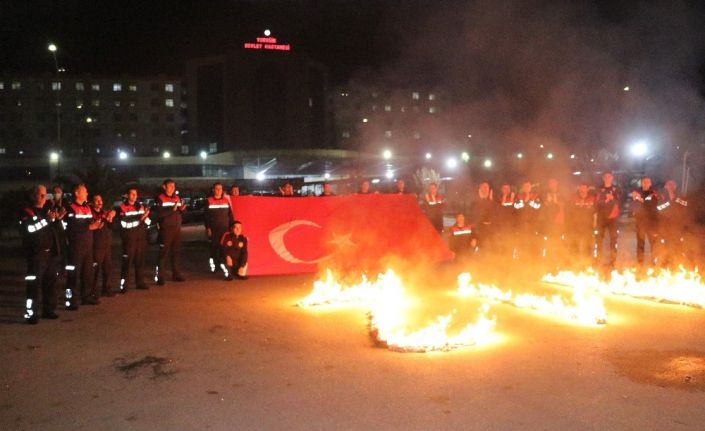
586	308
389	307
678	287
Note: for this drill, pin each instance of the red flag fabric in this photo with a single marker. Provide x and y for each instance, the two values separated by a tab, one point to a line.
296	235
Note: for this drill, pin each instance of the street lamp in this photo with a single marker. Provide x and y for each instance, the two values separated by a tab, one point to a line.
520	156
639	149
465	156
487	163
53	48
54	159
166	154
203	155
428	156
549	156
452	163
387	154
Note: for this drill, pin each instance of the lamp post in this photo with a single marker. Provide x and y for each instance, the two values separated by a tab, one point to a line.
53	48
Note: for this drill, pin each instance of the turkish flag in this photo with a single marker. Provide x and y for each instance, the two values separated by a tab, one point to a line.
356	232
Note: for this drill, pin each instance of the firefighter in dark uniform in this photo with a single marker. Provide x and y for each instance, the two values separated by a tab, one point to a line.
645	201
169	208
217	219
434	204
505	237
234	249
673	223
581	224
608	200
462	240
483	212
42	250
79	229
133	221
58	206
102	244
553	221
527	205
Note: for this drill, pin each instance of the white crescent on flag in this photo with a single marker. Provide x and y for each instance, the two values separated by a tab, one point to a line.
276	240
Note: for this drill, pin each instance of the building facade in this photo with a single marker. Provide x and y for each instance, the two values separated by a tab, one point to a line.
81	115
262	94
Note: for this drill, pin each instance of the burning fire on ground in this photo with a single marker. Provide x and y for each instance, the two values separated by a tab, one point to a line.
586	308
677	287
389	306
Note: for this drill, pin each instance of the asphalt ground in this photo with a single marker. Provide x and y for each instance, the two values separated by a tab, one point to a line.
210	354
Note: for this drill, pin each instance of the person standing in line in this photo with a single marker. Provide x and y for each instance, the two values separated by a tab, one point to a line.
102	244
134	220
608	200
645	201
169	208
434	205
41	247
217	220
581	224
80	227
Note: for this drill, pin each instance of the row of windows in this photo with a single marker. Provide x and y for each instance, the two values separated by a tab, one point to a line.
169	103
415	95
387	134
81	86
43	133
154	118
388	108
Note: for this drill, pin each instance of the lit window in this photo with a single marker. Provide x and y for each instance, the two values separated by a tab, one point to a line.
132	87
117	86
374	95
2	85
118	134
116	103
417	135
387	133
19	102
432	110
95	87
431	96
16	85
3	150
79	86
415	95
132	103
95	102
133	134
403	109
169	88
79	104
56	86
374	108
155	149
388	108
213	147
345	134
169	103
184	149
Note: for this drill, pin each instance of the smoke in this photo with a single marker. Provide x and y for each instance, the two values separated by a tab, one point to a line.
522	73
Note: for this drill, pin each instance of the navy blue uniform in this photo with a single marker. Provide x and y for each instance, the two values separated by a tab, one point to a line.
217	219
132	222
169	209
42	251
80	259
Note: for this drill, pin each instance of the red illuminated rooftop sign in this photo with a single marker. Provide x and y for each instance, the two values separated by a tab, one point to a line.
267	43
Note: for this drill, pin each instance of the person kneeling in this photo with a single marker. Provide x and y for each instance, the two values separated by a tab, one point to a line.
234	246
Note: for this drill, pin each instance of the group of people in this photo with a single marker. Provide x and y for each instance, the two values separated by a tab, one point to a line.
568	229
75	238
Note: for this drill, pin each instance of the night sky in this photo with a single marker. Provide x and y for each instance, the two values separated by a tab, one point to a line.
143	37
